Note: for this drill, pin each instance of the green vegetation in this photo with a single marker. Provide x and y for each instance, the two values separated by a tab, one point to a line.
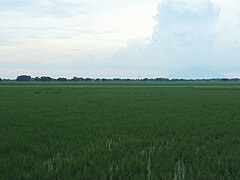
120	130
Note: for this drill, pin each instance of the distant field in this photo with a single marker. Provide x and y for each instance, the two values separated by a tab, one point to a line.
120	130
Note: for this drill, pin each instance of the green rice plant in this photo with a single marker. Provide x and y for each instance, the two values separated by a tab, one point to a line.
119	131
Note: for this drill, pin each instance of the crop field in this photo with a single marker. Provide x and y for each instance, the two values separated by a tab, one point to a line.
120	130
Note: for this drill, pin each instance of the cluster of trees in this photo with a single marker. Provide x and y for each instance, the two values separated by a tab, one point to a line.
27	78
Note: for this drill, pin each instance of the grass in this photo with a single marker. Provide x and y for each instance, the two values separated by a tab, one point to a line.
119	130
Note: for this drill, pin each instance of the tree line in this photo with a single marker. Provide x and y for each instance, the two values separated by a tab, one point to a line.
27	78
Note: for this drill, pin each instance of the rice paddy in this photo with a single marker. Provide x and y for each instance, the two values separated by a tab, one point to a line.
120	130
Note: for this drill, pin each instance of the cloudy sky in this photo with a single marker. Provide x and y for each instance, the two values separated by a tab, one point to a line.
122	38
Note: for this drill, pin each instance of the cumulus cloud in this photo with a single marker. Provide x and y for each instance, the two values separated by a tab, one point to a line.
183	36
184	31
227	46
187	41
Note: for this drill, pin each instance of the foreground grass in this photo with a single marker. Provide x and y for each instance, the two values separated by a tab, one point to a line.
105	131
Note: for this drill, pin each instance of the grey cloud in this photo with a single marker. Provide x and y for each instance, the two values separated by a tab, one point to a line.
184	34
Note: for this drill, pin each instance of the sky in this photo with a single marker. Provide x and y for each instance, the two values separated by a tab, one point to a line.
122	38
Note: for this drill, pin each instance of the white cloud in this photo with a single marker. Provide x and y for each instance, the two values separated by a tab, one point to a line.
189	35
183	36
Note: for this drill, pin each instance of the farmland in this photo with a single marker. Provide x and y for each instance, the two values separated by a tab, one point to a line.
120	130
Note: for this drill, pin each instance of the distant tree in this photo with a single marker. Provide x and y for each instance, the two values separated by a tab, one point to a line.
76	79
145	79
225	79
117	79
37	79
235	79
88	79
46	79
23	78
98	80
0	79
105	80
62	79
161	79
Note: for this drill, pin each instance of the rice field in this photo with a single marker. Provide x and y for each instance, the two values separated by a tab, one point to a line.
120	130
